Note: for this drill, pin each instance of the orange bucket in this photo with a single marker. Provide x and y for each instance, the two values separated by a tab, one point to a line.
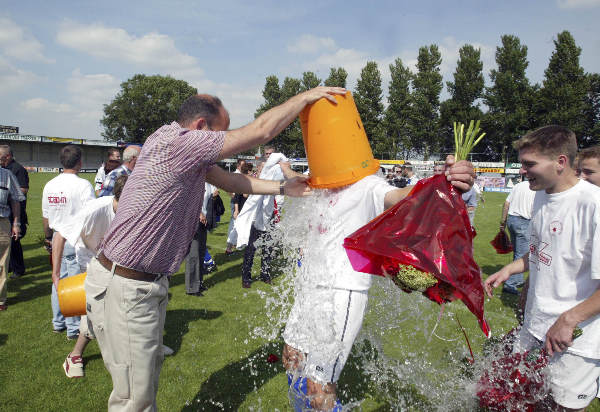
71	295
336	144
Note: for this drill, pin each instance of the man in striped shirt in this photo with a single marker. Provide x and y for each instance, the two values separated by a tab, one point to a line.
158	213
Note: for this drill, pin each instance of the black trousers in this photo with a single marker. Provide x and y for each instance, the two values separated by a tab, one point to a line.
17	263
267	251
194	261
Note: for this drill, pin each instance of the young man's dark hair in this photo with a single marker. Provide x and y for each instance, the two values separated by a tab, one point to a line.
119	185
70	156
551	141
199	105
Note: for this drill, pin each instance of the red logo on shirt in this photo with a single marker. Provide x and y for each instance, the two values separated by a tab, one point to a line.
556	228
57	199
536	251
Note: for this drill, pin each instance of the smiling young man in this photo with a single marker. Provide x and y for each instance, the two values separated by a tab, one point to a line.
563	289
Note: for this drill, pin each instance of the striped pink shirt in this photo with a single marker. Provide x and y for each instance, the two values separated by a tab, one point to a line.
161	203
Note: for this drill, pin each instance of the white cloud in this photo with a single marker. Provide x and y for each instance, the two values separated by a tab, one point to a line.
577	4
92	90
16	43
41	104
152	50
308	43
12	78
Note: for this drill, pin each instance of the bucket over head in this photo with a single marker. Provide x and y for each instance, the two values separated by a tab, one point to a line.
71	295
336	144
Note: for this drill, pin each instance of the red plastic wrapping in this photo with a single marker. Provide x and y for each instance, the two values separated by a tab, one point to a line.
502	243
430	230
514	382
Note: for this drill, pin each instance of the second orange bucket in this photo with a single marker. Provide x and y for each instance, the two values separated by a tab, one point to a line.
336	144
71	295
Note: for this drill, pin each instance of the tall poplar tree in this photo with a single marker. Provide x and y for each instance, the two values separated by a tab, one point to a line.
397	114
466	89
427	85
337	77
272	95
591	132
309	81
509	99
565	86
368	97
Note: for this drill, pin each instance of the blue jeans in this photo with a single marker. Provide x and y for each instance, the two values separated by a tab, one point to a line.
517	228
68	267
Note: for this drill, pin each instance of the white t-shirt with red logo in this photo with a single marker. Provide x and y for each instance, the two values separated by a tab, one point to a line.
63	197
564	262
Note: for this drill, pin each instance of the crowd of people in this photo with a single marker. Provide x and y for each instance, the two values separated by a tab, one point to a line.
151	209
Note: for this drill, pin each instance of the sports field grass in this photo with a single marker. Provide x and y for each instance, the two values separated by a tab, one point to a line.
218	363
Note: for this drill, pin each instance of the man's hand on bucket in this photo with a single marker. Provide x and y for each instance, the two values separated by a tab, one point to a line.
312	95
297	187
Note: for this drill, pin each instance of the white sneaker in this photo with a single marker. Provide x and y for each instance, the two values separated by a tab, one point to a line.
167	351
73	367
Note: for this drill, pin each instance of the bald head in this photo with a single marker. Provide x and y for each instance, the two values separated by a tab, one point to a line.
202	106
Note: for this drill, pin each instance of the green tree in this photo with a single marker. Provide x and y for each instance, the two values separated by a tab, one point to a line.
591	133
290	140
271	93
565	86
466	89
509	99
309	81
368	97
337	77
143	104
397	114
427	85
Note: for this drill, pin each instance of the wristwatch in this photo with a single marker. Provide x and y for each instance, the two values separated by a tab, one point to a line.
281	191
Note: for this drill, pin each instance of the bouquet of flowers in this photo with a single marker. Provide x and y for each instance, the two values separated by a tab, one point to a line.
425	242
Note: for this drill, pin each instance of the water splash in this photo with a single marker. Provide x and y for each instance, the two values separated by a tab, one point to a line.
396	362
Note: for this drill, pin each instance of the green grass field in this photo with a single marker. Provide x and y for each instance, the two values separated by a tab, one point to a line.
219	362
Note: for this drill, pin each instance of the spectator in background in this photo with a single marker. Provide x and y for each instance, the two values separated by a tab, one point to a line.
588	165
10	196
411	178
231	237
130	155
7	161
470	199
399	180
516	215
438	169
63	197
112	161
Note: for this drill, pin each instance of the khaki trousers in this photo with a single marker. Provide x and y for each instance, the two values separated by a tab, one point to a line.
128	318
5	231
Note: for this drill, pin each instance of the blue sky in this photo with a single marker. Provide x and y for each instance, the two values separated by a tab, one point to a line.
61	61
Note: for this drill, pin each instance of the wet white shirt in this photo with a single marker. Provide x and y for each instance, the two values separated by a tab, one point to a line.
345	211
63	197
564	262
88	227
